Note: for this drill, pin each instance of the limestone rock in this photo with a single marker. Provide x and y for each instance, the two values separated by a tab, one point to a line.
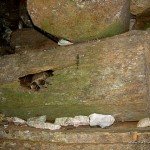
80	20
101	120
76	121
82	120
144	123
61	121
108	76
40	122
44	125
16	120
139	6
63	42
40	119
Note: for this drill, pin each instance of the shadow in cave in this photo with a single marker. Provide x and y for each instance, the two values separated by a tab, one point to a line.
36	81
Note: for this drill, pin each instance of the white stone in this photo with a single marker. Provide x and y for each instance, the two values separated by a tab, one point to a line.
17	121
76	121
61	121
40	119
101	120
43	125
63	42
145	122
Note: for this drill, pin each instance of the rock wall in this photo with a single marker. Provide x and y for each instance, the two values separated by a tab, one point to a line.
108	76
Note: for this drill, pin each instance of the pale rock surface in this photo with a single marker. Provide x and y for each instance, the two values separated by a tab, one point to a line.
101	120
145	122
40	119
39	122
76	121
16	120
45	125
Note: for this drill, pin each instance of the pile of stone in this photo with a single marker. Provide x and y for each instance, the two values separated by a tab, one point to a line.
93	120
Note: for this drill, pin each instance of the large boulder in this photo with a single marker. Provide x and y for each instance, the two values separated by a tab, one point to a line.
139	6
109	76
80	20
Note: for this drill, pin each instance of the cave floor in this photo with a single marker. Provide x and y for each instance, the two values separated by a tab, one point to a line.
121	135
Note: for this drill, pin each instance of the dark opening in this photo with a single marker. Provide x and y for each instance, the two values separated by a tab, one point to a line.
36	81
13	16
